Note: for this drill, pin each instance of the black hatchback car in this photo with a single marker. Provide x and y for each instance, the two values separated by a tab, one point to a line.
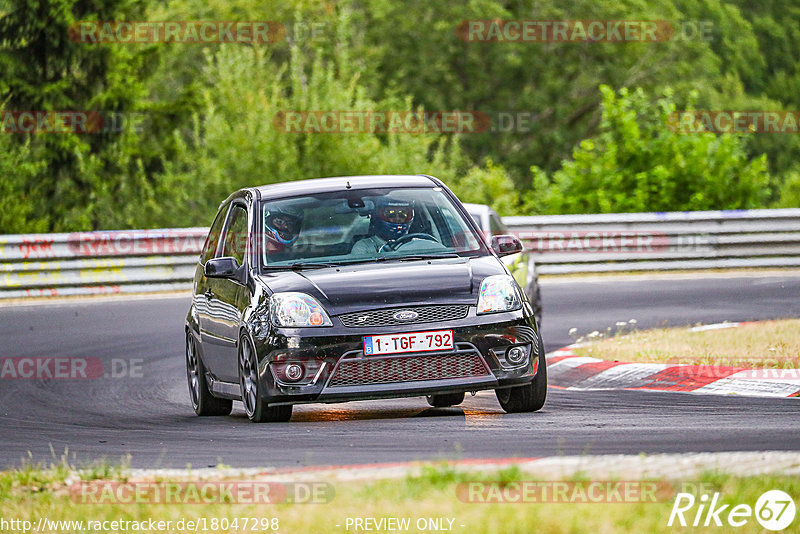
353	288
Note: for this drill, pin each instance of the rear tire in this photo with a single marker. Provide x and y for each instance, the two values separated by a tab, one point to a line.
203	402
443	400
527	398
254	406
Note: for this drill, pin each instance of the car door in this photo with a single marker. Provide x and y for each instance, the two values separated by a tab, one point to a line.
202	288
228	297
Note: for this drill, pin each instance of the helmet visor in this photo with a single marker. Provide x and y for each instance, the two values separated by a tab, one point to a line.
285	225
396	214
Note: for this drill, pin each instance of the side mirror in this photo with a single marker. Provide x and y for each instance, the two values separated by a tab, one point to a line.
505	245
225	267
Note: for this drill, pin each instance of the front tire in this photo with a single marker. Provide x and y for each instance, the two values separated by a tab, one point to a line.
203	402
254	406
527	398
443	400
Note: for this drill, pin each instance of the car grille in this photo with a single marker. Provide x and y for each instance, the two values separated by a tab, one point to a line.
385	317
370	370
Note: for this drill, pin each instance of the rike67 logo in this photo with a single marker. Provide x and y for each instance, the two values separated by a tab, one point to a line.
774	510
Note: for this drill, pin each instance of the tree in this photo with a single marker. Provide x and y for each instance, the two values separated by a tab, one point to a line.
47	71
553	84
238	139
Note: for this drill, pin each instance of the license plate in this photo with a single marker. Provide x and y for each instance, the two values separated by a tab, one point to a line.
410	342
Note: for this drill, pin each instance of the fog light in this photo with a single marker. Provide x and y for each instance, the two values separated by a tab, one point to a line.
515	355
294	372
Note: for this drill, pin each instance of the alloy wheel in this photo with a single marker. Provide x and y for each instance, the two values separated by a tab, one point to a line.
192	371
248	378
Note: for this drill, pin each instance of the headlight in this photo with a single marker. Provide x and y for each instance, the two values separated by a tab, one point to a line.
297	310
498	294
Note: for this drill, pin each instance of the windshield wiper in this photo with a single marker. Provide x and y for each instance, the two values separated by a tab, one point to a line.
367	260
300	265
415	257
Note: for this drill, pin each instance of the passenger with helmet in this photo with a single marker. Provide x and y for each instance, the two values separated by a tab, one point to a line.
281	225
390	220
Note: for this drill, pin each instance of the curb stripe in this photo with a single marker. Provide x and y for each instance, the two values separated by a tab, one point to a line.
637	375
685	378
578	374
567	370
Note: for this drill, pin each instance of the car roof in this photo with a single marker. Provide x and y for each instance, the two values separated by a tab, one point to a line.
340	183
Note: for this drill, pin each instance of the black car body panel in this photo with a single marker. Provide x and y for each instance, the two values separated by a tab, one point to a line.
387	284
438	294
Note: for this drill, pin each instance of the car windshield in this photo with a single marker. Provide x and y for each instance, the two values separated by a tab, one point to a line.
476	217
364	225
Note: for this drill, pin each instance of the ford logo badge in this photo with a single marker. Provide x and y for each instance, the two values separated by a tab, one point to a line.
405	315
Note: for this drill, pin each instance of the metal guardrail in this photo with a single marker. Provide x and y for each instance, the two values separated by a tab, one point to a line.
157	260
88	263
661	241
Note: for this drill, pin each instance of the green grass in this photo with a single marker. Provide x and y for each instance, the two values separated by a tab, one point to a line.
765	344
29	493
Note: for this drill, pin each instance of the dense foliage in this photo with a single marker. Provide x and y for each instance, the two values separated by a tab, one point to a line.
200	119
635	164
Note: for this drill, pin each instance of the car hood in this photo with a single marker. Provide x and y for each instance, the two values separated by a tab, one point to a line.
366	286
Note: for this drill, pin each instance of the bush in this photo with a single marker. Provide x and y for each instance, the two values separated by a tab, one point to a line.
17	170
489	185
790	190
638	163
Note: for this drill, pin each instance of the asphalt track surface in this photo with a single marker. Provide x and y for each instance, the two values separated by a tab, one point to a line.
149	416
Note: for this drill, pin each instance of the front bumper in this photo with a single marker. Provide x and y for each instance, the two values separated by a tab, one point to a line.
336	370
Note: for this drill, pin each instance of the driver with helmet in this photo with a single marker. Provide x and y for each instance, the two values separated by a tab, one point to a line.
281	226
391	220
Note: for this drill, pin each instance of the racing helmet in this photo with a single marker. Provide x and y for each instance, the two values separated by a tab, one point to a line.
282	224
392	218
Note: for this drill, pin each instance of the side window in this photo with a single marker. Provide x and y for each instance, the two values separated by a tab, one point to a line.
213	235
236	234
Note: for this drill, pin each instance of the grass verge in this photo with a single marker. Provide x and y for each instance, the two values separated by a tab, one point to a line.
30	494
764	345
